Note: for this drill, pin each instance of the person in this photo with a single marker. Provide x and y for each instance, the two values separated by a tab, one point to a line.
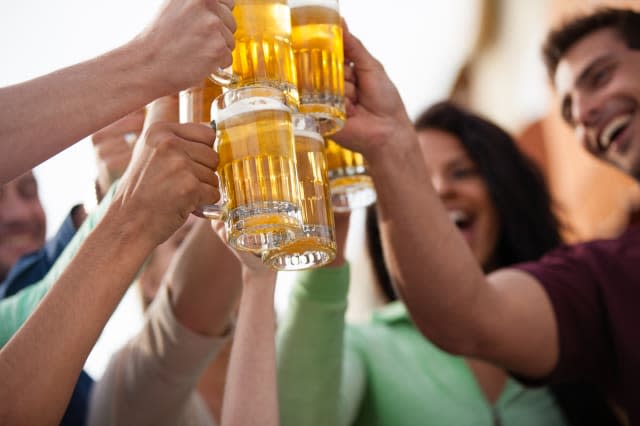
189	287
569	315
390	373
171	174
101	90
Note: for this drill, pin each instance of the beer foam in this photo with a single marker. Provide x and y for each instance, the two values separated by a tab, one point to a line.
244	106
308	134
330	4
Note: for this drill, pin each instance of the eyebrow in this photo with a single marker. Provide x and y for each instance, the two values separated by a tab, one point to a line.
584	75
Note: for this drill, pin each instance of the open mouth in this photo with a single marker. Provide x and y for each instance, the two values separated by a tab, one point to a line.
461	219
612	131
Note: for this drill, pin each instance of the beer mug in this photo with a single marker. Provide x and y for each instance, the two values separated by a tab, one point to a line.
256	167
263	53
349	180
316	35
195	102
316	246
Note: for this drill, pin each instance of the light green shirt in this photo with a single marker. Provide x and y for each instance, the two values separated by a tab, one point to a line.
384	372
15	310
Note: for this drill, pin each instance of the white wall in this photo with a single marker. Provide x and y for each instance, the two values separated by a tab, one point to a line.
420	42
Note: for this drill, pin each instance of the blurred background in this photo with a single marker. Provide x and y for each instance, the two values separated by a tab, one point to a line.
484	53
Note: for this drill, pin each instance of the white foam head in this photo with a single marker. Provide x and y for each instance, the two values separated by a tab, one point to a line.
330	4
309	135
246	105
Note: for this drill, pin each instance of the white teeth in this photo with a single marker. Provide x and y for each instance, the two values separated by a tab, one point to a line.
457	216
614	126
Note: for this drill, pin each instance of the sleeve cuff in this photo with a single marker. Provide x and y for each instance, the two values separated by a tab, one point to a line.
324	284
177	348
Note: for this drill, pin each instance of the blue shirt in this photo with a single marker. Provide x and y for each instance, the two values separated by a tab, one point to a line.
30	269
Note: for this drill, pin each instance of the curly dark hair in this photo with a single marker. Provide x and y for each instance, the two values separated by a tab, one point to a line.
561	39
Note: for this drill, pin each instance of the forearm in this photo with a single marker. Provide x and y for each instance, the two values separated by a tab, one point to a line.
59	335
15	310
429	262
252	365
205	281
44	116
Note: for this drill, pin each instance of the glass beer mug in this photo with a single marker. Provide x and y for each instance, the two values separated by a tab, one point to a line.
351	185
195	102
256	167
263	53
316	246
316	35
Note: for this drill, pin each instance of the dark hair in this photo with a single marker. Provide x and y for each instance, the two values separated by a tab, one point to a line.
528	226
561	39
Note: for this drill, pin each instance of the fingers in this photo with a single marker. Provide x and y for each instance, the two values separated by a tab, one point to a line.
223	9
225	13
195	132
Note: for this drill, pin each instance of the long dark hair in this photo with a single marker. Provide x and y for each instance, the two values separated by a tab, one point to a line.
528	226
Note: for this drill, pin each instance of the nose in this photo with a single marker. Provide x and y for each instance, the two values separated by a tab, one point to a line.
442	185
585	111
14	208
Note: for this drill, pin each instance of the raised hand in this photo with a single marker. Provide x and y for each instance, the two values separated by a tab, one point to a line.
198	34
113	146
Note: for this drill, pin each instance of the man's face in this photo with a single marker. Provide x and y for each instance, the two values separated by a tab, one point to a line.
598	82
22	220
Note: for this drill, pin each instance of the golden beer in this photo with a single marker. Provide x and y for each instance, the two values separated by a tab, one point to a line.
316	246
195	102
316	35
258	179
351	185
263	53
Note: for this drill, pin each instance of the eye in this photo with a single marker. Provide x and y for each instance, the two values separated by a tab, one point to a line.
601	76
463	172
566	111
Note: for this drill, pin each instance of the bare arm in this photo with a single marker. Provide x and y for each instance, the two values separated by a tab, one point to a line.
171	174
506	318
41	117
251	394
205	283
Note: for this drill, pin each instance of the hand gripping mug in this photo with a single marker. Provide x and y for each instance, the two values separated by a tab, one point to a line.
316	34
316	246
349	180
256	167
263	53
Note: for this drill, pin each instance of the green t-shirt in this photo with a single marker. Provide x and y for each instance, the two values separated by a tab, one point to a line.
382	373
15	310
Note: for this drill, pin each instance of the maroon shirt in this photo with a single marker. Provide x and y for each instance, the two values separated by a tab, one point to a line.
595	292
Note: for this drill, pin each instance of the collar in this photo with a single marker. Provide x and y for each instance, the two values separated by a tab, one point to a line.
393	312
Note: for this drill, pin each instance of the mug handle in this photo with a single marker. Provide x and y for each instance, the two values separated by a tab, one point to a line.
213	212
224	78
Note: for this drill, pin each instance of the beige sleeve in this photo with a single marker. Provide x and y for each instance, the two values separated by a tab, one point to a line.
152	380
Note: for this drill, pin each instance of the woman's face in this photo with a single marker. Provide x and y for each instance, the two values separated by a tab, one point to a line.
463	191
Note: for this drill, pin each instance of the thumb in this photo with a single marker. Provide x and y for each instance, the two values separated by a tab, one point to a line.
354	51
